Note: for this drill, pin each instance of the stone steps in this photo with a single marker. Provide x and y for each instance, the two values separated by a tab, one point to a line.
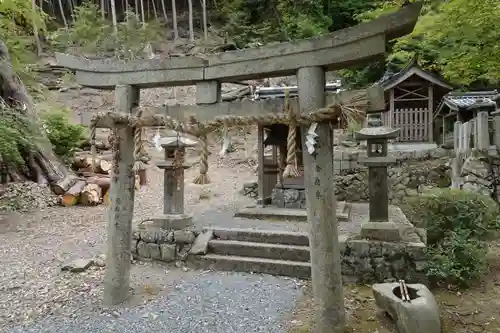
262	236
258	251
297	269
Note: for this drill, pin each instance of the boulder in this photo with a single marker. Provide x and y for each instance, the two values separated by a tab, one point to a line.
421	314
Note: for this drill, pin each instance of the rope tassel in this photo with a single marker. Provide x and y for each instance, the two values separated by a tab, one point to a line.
291	170
93	149
138	150
203	178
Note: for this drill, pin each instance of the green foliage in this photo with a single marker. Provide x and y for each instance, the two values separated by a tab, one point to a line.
458	223
457	38
264	21
90	33
16	137
16	30
64	136
457	259
88	30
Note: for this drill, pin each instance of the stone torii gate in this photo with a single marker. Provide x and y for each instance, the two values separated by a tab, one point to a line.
308	59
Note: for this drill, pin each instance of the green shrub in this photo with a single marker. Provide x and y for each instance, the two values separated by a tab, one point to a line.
458	223
16	137
64	136
458	259
446	210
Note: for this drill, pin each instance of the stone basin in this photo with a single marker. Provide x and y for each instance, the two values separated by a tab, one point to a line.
419	315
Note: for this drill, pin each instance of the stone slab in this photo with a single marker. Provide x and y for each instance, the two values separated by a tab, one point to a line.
144	80
297	269
200	245
275	213
260	250
263	236
208	92
206	112
331	57
383	231
170	222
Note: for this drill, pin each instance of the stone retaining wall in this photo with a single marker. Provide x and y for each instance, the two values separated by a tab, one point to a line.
406	180
164	245
365	261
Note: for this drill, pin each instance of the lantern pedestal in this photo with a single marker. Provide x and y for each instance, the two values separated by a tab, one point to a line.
173	216
379	226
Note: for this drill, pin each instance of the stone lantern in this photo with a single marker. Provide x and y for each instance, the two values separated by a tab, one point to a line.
379	225
174	216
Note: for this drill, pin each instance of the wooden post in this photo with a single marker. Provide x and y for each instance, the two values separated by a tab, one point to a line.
260	166
391	108
321	209
496	128
121	209
443	139
430	111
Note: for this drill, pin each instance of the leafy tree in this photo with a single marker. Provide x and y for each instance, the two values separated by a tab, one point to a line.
17	18
457	38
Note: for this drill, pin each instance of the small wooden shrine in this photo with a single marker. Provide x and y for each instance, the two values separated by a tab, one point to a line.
412	96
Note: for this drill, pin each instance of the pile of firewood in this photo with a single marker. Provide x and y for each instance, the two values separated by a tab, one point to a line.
90	186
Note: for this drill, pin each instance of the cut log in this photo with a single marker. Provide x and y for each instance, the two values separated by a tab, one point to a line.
71	197
103	182
91	195
236	94
64	184
100	145
102	164
14	94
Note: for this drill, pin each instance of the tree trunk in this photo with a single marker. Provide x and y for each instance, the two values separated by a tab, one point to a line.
113	15
103	10
164	11
14	93
35	29
174	21
155	13
191	28
205	23
137	10
142	12
61	8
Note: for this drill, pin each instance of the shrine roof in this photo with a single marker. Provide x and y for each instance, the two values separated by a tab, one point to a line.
390	80
469	100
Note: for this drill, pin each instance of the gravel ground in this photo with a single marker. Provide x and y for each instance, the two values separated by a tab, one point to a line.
201	302
34	246
38	297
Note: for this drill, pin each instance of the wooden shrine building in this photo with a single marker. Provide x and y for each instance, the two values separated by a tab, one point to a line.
463	107
412	96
